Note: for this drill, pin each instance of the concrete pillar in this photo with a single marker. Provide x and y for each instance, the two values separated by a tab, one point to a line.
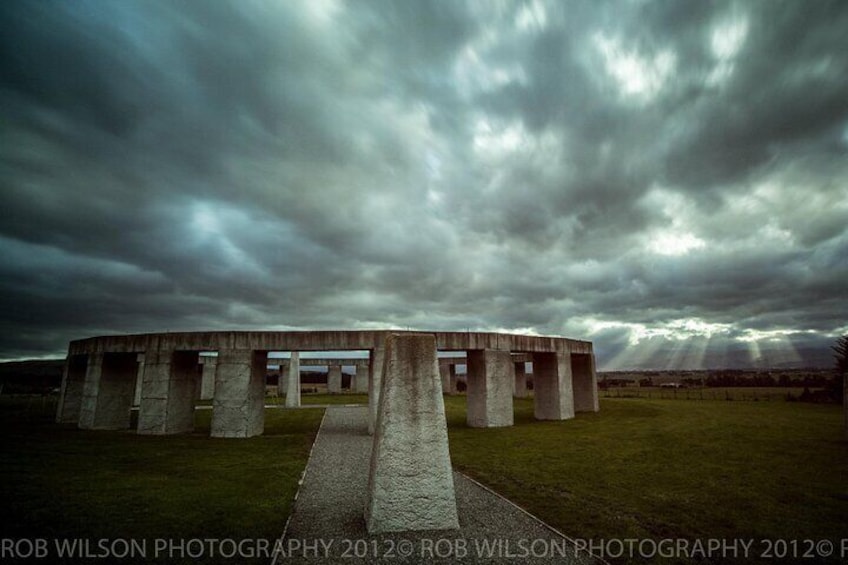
283	381
444	373
293	388
73	382
520	388
238	409
361	379
452	389
108	391
207	377
139	379
168	392
410	482
334	379
490	380
375	379
552	389
585	383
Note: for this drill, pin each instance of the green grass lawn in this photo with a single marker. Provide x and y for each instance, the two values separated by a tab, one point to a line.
663	468
638	469
60	482
318	399
757	394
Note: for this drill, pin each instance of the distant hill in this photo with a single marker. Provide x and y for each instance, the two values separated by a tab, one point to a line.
31	376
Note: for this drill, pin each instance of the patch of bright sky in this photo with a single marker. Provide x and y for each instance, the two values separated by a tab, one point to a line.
531	16
677	239
496	140
727	38
209	225
639	76
770	335
674	244
683	328
320	12
481	65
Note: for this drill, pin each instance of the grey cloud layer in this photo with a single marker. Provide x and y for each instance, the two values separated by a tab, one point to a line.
554	167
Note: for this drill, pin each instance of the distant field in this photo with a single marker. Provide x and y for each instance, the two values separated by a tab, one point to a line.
708	393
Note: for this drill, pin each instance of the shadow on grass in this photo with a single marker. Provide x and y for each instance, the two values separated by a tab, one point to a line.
59	482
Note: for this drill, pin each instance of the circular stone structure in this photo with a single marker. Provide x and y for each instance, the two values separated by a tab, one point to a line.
167	374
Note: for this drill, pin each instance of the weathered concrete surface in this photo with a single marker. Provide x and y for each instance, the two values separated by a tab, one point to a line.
283	381
490	381
238	409
293	386
330	501
326	362
108	391
207	377
349	340
334	379
360	380
410	483
139	379
552	388
375	381
452	389
444	374
585	383
168	392
372	341
520	389
73	382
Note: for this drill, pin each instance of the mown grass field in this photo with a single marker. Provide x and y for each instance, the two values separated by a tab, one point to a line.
638	469
58	482
669	469
755	394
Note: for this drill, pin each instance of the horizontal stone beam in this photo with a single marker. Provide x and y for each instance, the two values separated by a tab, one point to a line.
321	362
350	340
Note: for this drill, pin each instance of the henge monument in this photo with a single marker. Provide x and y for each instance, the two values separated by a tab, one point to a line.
101	375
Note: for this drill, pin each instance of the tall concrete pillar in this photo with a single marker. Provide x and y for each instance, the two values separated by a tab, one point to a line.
108	391
168	392
361	379
207	377
410	481
293	388
238	409
552	388
452	389
585	383
73	382
334	379
490	380
139	379
444	373
520	389
375	380
283	381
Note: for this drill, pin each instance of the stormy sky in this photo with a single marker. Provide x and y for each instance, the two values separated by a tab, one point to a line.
666	179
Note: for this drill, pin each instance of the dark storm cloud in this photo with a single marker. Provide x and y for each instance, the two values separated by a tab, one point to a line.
627	172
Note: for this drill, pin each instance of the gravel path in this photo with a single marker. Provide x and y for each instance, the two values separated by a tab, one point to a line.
327	525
